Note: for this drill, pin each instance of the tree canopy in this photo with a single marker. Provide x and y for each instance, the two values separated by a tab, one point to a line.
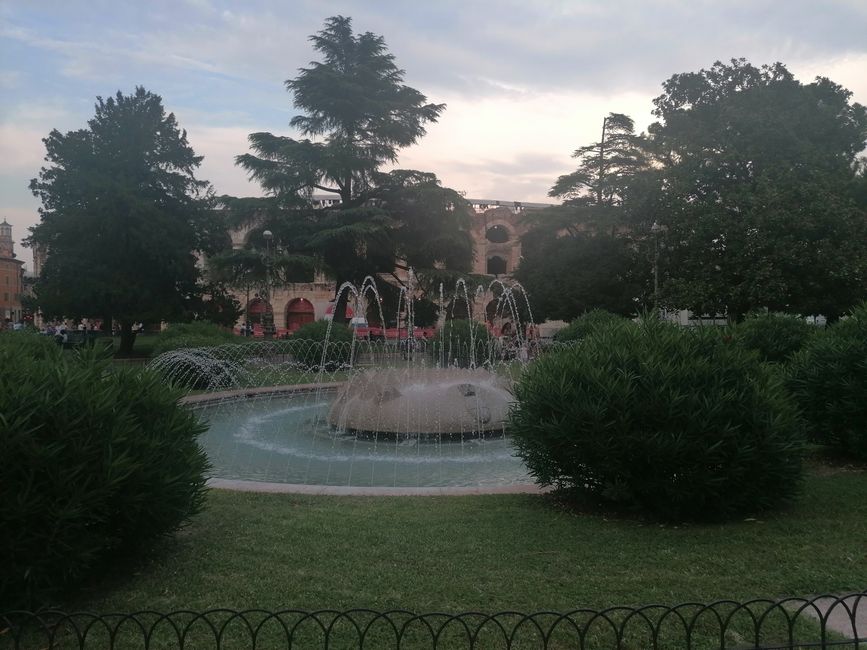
354	101
757	184
580	255
122	217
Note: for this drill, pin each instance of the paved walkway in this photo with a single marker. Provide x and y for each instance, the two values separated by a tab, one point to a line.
846	616
344	490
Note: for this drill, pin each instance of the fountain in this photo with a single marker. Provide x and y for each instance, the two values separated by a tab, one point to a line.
445	402
384	418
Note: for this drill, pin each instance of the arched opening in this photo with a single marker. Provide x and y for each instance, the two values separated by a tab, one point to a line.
496	265
256	310
299	311
497	234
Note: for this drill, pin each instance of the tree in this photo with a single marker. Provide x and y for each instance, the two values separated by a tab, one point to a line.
254	269
588	242
122	217
568	276
757	184
353	99
595	192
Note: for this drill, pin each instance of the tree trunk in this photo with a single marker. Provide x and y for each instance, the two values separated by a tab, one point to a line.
127	339
341	300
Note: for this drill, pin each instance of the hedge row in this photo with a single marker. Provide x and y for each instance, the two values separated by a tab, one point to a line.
97	460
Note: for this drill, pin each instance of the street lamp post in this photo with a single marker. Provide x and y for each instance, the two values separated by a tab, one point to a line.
268	315
656	229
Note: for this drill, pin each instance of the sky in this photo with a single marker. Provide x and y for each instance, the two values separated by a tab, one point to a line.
526	82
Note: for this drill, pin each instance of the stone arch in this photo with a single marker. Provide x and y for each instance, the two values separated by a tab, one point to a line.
496	265
299	311
256	310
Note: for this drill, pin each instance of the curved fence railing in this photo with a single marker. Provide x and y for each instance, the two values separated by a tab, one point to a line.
818	622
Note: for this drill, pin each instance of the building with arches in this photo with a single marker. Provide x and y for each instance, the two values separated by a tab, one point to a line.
497	228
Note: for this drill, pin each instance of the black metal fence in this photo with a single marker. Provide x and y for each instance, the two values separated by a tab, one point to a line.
818	622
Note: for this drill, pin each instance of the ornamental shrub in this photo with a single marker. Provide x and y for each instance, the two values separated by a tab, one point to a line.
198	334
461	342
776	337
97	460
31	344
588	323
338	352
829	381
672	422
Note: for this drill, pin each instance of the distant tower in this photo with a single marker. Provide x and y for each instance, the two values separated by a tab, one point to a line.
11	278
6	243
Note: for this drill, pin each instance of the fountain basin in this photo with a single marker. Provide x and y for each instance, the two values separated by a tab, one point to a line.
282	436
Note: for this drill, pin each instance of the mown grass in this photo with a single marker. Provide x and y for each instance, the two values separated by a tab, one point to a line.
490	553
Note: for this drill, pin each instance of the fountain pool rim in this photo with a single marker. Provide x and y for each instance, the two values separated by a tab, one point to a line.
239	485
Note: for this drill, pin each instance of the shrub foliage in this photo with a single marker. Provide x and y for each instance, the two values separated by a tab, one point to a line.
338	351
829	381
461	342
198	334
776	337
96	460
586	324
676	423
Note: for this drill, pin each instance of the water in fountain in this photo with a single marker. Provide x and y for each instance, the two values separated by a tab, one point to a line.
362	413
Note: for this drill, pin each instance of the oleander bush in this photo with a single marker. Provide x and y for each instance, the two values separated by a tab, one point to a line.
588	323
96	461
461	342
775	337
338	351
197	334
671	422
32	344
829	381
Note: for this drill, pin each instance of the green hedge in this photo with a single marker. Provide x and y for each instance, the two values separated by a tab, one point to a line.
587	323
97	460
460	342
198	334
338	352
829	381
672	422
775	337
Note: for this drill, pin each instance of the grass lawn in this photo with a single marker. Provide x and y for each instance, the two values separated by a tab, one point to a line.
491	553
488	553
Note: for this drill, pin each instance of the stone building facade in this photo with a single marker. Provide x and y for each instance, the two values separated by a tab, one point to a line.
11	278
497	227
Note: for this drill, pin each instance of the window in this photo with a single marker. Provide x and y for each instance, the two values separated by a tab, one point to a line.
497	234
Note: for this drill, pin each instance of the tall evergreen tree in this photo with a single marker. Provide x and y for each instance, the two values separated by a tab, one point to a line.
595	192
354	101
587	242
122	217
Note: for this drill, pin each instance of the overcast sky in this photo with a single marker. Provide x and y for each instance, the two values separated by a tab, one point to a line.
526	81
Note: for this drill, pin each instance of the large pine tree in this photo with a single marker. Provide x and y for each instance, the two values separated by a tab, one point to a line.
361	114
